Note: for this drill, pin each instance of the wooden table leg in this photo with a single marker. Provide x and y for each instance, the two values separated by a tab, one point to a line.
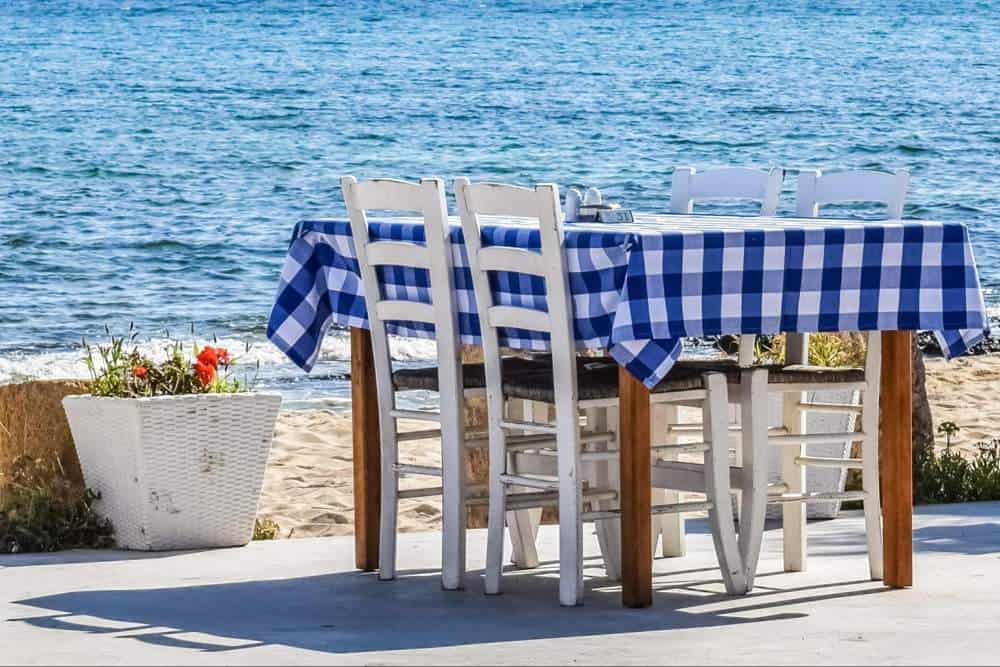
636	487
896	449
367	468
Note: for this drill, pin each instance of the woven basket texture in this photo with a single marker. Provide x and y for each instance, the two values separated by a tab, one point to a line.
175	472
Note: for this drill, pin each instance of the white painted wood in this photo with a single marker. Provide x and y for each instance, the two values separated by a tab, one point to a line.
528	427
524	553
753	468
870	455
416	415
604	476
501	258
836	408
542	204
828	462
793	439
691	185
717	485
793	516
816	188
426	198
669	527
398	253
410	469
405	310
521	318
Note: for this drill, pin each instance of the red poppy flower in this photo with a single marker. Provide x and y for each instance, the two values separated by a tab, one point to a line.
223	355
140	372
205	373
209	356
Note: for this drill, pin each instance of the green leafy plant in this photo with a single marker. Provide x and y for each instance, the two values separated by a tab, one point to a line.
119	369
265	529
951	477
948	429
40	510
825	349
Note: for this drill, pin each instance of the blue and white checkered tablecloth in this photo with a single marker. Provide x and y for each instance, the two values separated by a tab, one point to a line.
639	289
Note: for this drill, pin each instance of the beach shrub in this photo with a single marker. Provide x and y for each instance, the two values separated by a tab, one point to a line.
41	510
119	369
950	477
841	349
265	529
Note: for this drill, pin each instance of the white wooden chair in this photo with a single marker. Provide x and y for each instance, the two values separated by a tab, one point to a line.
796	379
816	188
427	199
573	385
689	186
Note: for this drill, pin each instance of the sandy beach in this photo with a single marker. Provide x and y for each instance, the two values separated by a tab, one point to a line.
308	487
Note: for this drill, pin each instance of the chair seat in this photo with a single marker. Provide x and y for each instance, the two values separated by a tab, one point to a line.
598	379
779	373
802	374
473	375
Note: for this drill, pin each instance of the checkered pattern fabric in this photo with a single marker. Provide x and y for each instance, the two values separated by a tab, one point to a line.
639	289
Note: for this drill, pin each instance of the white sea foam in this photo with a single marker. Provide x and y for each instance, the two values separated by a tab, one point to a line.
19	366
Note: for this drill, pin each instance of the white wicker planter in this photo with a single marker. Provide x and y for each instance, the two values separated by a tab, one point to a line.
175	472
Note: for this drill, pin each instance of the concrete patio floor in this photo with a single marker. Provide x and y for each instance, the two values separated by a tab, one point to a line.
301	602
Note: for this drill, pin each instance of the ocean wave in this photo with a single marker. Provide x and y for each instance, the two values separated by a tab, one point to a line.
21	364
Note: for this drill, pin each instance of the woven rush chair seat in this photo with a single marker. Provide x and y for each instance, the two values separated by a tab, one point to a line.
473	375
598	379
778	373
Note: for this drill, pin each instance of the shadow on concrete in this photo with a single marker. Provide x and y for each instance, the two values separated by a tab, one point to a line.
972	539
353	612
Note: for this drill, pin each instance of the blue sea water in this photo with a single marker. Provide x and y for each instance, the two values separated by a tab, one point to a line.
155	155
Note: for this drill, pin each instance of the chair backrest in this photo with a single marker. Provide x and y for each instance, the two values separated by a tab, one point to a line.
690	185
427	199
540	203
816	188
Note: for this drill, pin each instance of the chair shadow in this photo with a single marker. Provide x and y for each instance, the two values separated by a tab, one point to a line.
354	612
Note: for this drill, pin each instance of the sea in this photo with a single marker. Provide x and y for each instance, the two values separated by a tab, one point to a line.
154	156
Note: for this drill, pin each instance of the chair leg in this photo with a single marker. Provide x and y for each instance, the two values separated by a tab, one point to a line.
753	496
869	456
390	501
793	515
605	476
497	509
668	526
717	485
570	500
454	509
520	524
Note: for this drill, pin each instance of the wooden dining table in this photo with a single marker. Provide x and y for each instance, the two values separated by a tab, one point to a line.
932	254
635	461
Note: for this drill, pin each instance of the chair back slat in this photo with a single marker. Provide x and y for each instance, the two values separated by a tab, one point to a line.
410	311
520	318
389	194
690	185
398	253
506	200
816	188
500	258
